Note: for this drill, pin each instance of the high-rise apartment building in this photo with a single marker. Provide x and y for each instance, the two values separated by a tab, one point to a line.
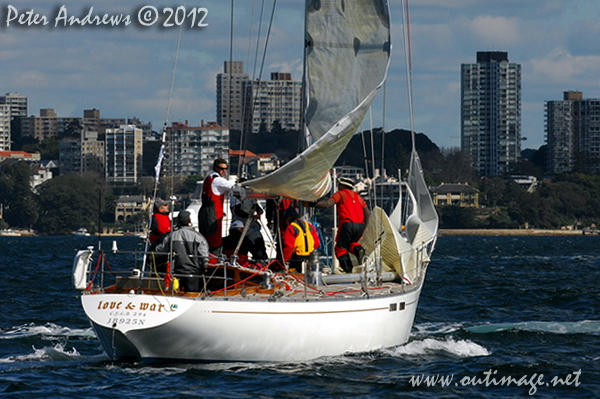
123	154
231	87
17	102
191	150
5	127
491	112
276	100
572	134
255	105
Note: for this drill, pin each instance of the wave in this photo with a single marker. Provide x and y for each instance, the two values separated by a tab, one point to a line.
47	330
428	346
56	352
554	327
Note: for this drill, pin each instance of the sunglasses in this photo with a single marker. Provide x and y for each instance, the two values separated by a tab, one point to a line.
220	168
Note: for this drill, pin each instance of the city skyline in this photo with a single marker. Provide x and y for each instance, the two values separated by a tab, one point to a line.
125	71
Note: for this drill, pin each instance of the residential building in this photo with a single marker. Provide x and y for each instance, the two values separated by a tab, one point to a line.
572	134
19	155
17	103
491	112
83	154
128	206
458	194
191	150
123	154
49	124
5	140
278	100
231	88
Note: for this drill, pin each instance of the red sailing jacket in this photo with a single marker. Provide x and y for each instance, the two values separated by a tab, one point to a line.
350	206
160	225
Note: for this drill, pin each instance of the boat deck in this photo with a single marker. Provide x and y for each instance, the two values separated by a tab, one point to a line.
281	286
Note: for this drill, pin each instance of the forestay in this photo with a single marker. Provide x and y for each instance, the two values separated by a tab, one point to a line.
347	56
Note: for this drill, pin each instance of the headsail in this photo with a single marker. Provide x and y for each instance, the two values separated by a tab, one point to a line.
347	56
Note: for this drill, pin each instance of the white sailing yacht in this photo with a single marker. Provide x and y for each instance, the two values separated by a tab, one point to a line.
258	314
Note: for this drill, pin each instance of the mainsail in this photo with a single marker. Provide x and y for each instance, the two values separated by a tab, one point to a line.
347	57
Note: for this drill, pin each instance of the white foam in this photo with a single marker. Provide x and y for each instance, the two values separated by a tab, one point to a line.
56	352
48	329
555	327
436	328
461	348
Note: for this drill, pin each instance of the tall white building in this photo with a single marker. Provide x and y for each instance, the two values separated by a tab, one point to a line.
491	112
123	149
573	134
5	127
17	102
231	86
276	100
191	150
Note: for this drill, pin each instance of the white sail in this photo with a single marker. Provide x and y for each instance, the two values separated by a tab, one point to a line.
423	227
347	56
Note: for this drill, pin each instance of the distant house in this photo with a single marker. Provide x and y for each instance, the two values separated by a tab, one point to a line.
130	205
456	194
20	155
255	165
40	175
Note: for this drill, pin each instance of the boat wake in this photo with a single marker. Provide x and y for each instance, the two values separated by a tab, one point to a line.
591	327
47	330
54	353
433	346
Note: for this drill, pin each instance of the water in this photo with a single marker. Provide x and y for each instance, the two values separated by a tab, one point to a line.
498	306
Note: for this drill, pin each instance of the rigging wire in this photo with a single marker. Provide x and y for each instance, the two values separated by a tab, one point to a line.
408	58
262	64
245	89
158	166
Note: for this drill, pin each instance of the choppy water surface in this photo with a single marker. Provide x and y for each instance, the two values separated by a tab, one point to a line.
499	317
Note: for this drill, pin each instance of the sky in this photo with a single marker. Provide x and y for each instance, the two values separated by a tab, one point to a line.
126	70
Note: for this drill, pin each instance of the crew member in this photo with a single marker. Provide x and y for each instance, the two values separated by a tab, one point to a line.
300	239
353	215
214	189
191	252
231	242
244	208
161	222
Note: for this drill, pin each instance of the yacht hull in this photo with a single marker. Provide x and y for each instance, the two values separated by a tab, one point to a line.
160	328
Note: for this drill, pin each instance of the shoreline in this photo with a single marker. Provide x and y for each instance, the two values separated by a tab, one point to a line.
513	232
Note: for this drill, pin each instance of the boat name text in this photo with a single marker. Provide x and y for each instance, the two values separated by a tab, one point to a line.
144	306
145	16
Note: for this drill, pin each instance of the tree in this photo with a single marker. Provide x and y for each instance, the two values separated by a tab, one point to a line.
69	202
16	194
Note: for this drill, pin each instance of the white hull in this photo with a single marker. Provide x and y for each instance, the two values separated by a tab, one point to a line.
161	328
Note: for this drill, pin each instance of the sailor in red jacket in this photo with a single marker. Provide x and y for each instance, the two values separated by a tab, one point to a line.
215	187
161	222
300	239
353	215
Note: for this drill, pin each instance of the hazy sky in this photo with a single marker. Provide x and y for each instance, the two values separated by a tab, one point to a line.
125	71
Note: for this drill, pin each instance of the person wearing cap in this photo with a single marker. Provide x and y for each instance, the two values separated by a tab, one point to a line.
190	250
300	239
161	222
244	208
231	242
213	191
353	215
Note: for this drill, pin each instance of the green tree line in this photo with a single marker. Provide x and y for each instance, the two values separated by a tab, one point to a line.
67	203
